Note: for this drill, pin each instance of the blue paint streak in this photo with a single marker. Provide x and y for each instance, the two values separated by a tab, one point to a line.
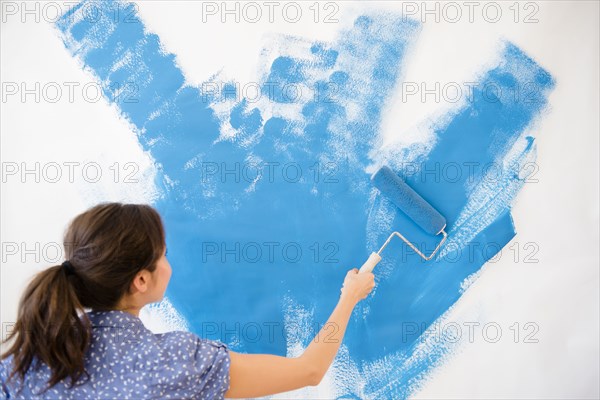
202	209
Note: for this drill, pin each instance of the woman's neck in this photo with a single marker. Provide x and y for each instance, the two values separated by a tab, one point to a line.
132	309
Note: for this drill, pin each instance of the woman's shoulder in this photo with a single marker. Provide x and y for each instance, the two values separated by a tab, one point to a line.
207	361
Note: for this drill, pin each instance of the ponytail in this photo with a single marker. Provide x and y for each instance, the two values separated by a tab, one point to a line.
49	329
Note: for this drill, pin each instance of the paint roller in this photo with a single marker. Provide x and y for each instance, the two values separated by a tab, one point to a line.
413	205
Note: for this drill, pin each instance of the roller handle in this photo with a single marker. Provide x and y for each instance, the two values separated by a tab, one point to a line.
368	266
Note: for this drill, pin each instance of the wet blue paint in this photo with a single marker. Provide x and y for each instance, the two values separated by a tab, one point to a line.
314	196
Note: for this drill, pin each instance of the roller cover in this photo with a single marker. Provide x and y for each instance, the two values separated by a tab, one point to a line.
409	201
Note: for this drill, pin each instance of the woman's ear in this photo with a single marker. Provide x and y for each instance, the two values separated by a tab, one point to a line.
141	281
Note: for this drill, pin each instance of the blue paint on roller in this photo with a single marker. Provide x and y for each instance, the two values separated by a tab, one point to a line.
409	201
217	224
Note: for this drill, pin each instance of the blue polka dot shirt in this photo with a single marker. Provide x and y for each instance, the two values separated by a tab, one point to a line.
125	360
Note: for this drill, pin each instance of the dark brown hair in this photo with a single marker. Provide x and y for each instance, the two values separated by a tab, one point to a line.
107	246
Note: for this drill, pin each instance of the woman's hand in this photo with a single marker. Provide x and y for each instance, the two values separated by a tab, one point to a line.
357	286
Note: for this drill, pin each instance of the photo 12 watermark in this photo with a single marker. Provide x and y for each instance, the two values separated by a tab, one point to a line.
269	252
90	12
470	331
455	92
322	91
69	172
68	92
470	172
452	12
269	171
252	12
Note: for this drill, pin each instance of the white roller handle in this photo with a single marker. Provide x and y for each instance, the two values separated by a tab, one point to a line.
368	266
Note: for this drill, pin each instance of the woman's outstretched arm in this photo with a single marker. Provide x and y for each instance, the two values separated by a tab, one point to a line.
255	375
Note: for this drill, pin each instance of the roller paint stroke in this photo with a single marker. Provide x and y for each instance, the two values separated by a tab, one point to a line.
335	221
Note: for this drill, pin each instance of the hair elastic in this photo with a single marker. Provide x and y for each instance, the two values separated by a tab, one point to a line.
68	267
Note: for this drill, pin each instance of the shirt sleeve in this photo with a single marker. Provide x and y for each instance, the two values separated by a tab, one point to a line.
212	362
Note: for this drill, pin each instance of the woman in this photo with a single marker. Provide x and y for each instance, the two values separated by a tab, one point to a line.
116	264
